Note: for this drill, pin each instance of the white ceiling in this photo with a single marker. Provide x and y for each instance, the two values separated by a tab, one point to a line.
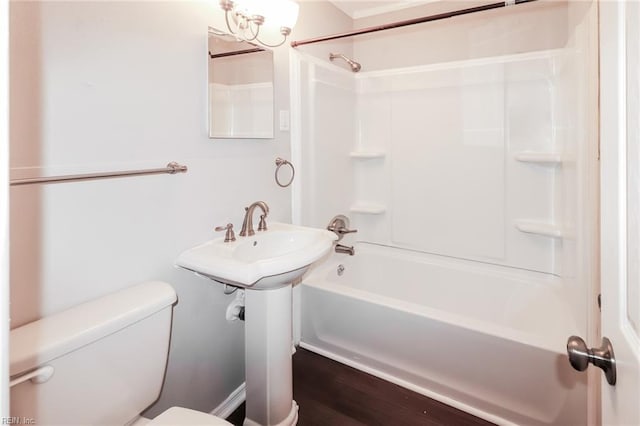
362	8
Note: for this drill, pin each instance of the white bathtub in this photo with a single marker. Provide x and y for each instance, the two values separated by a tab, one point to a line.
486	339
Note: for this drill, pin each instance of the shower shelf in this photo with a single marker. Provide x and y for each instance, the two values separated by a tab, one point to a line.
540	228
366	155
368	208
550	158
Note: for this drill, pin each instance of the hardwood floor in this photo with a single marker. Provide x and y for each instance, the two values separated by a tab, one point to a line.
330	393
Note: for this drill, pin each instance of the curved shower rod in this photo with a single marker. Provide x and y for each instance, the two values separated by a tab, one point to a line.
411	22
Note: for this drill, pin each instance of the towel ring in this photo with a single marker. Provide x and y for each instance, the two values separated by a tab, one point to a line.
279	163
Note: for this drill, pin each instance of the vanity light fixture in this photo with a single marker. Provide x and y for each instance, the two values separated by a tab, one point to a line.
248	16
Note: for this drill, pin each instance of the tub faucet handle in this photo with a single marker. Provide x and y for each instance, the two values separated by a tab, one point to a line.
344	231
229	235
339	225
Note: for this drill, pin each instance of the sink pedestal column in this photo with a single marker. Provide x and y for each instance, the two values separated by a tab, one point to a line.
268	369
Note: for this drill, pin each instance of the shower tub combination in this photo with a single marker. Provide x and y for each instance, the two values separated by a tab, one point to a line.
479	337
469	173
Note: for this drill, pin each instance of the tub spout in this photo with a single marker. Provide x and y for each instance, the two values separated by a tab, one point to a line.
345	249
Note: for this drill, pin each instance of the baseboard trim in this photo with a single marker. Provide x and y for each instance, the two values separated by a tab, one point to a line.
233	401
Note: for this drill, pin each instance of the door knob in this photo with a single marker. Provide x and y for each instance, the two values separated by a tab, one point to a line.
580	356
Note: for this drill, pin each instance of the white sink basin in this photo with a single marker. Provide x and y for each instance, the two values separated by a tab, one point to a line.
266	260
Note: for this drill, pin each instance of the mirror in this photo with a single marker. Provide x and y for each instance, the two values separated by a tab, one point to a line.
240	88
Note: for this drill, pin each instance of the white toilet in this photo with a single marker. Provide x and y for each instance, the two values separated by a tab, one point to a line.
98	363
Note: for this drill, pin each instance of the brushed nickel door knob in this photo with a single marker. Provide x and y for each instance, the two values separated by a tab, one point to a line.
603	357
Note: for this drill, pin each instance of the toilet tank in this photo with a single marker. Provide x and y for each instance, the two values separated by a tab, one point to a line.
108	358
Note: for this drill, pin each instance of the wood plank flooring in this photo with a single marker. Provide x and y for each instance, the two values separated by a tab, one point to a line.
333	394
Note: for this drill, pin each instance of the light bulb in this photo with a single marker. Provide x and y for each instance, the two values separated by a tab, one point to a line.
281	13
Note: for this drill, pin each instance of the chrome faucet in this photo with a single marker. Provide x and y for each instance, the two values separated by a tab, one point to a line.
247	223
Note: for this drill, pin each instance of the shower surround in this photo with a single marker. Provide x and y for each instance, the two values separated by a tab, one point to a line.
472	182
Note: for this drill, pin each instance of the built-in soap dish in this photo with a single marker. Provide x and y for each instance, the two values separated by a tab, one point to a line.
368	208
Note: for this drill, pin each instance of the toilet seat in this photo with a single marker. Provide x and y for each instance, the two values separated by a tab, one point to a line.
178	416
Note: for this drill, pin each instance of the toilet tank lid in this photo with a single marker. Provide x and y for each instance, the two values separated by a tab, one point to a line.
48	338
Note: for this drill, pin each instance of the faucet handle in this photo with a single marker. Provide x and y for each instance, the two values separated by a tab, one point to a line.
262	225
343	231
229	235
340	226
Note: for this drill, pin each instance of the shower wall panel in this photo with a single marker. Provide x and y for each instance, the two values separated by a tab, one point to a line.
455	178
447	165
328	128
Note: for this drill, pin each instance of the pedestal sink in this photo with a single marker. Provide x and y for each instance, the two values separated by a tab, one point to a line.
264	264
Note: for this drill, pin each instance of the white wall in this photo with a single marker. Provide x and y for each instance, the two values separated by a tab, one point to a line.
320	18
122	85
523	28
